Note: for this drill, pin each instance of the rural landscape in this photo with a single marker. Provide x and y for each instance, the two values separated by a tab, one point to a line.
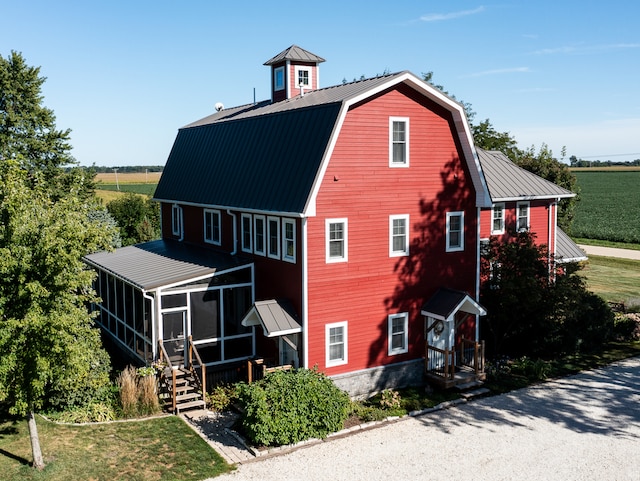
363	280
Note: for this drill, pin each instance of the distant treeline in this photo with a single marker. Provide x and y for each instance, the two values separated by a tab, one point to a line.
125	168
575	162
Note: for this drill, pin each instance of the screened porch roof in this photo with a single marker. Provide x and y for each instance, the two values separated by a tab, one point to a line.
161	263
445	303
277	318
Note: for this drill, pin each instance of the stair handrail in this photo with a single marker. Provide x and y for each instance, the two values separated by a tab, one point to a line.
193	350
164	357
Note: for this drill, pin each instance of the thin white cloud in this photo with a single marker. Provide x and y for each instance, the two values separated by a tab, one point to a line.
498	71
438	17
586	49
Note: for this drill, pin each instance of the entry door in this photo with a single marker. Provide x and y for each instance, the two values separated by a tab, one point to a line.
173	335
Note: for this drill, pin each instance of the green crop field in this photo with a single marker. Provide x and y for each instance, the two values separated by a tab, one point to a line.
609	207
145	189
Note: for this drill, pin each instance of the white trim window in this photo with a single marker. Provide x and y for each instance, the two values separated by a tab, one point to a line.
336	240
398	235
212	227
278	78
303	77
398	142
336	344
522	216
176	220
455	231
289	240
259	231
398	333
246	232
497	218
273	237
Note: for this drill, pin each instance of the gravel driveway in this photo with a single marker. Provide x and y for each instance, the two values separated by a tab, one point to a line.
584	427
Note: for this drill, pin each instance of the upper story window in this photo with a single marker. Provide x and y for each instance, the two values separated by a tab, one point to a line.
176	220
247	233
497	219
455	231
398	142
398	235
336	240
336	343
303	77
289	240
398	333
273	237
278	78
259	234
522	216
212	226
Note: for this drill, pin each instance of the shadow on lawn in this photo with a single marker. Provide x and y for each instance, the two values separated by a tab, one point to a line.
604	401
20	459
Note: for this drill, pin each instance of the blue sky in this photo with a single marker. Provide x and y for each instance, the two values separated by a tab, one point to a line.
126	75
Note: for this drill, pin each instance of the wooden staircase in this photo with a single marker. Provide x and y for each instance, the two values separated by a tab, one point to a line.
181	388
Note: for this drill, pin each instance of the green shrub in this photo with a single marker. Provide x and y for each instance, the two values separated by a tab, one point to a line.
290	406
93	412
534	370
221	397
626	327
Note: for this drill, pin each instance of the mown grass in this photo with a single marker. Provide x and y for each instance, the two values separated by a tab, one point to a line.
609	207
613	279
155	449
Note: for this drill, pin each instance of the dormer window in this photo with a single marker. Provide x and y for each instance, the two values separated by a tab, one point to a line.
278	78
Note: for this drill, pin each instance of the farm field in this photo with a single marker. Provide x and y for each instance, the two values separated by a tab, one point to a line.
138	183
609	207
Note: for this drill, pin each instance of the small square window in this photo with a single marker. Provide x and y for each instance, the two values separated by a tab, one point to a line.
398	333
455	231
303	77
336	343
398	235
398	142
336	240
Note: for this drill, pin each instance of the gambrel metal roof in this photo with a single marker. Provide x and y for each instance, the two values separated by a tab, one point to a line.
270	157
509	182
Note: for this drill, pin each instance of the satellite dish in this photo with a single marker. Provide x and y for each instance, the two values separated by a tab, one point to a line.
219	106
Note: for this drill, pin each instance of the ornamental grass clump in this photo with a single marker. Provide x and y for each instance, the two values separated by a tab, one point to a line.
138	394
290	406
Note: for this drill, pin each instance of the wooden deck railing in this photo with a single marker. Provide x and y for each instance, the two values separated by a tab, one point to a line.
164	359
194	354
439	361
472	355
257	368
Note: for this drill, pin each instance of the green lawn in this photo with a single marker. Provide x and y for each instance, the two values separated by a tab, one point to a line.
155	449
616	280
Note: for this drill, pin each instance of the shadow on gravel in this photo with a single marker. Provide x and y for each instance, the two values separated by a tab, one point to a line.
605	401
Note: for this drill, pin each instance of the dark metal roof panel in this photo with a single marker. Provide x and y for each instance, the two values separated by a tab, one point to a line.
277	317
250	162
163	262
446	302
507	181
567	250
294	53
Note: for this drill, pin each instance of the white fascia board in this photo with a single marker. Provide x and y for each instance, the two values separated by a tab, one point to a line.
534	197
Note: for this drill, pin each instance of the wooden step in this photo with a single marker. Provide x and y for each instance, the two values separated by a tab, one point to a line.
191	395
190	405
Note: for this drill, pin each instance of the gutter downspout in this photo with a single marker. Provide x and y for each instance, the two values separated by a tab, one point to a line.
305	296
154	338
235	232
478	210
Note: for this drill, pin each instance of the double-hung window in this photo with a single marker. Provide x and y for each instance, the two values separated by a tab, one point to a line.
522	216
212	227
398	142
259	230
497	219
336	343
273	237
176	220
336	240
455	231
399	235
247	234
278	78
398	333
289	240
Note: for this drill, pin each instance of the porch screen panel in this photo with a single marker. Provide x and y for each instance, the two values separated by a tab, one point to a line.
205	315
237	348
237	302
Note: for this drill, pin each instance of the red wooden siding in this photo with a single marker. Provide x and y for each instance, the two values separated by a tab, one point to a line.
360	185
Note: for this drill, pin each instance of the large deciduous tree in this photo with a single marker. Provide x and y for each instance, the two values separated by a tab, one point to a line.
47	338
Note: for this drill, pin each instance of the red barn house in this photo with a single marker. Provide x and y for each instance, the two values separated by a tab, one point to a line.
333	227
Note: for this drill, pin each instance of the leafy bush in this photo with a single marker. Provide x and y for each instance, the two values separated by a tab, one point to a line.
626	327
221	397
93	412
534	370
290	406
